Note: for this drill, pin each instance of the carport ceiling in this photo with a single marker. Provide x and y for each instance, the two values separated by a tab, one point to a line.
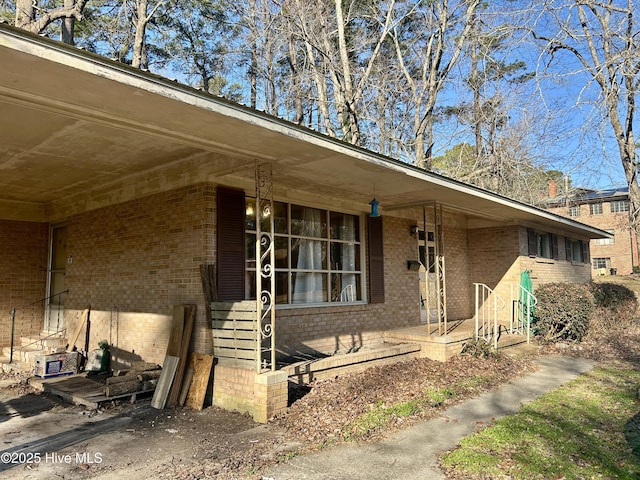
74	122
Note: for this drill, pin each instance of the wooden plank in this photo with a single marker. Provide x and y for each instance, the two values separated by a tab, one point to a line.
174	392
201	374
83	318
234	353
249	325
244	305
123	388
177	327
164	383
236	343
233	315
186	384
235	334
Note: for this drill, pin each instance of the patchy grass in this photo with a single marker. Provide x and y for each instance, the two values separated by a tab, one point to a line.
590	428
382	415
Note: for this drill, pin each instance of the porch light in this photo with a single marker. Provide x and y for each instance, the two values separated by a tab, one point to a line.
374	208
414	230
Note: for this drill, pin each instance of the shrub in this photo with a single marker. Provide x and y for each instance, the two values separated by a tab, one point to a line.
563	312
615	309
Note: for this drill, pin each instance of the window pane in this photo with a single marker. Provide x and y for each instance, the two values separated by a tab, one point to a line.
250	249
344	227
308	254
281	224
250	285
282	252
345	287
308	222
309	287
282	287
345	256
250	211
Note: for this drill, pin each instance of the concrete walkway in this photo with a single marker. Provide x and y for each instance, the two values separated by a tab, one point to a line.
412	454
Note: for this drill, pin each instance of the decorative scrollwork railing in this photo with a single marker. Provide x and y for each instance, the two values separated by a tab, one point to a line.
265	268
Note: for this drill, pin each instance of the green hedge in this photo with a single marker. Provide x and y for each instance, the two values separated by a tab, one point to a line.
569	312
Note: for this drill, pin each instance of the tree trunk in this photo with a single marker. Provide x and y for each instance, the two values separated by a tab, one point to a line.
139	39
68	25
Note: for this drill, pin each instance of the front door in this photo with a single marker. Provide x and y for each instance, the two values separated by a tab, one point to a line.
56	281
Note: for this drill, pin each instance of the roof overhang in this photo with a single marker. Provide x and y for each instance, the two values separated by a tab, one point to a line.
74	123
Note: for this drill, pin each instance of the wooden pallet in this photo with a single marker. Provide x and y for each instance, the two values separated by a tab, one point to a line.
80	390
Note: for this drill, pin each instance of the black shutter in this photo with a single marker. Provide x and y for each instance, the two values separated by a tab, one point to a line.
533	244
376	260
554	247
567	248
230	244
586	254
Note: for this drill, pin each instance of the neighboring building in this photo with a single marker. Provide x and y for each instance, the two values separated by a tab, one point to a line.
118	186
607	210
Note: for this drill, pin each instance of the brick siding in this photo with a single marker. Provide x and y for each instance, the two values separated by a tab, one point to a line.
23	276
621	252
133	261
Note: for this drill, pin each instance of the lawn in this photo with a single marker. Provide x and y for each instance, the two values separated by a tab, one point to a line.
588	429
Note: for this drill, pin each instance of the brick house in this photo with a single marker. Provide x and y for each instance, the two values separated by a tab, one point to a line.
118	185
607	210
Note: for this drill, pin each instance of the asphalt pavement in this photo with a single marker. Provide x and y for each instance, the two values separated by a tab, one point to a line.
412	454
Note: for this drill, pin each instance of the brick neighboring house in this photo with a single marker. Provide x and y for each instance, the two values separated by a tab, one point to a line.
607	210
117	186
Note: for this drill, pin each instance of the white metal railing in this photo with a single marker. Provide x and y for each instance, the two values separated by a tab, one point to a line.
522	307
488	304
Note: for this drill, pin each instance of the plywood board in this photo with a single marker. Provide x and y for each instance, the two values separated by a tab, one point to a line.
201	374
164	383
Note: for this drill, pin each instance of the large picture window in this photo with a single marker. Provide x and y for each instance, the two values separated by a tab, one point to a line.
317	255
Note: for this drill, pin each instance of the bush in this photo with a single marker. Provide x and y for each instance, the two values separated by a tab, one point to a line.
563	312
569	312
615	309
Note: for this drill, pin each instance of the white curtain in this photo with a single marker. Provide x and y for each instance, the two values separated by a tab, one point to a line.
309	287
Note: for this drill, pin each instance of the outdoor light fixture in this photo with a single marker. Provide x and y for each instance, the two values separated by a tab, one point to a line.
374	208
414	230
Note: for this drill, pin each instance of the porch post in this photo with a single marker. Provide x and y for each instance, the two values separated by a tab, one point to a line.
265	269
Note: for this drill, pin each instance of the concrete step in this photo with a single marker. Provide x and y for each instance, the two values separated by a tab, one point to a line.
15	365
24	354
44	340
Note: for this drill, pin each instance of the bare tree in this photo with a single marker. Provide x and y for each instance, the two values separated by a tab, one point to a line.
603	37
429	43
30	16
342	42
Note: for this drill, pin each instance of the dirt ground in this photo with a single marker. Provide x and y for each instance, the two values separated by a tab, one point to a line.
45	438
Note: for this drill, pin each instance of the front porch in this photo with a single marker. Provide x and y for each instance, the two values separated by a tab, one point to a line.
401	344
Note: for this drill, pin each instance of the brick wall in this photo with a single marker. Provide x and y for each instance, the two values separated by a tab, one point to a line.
23	276
458	277
621	252
498	256
133	261
261	395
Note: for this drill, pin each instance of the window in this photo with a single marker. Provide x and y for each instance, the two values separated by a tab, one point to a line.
605	241
574	211
577	251
544	245
619	206
595	209
317	255
603	262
